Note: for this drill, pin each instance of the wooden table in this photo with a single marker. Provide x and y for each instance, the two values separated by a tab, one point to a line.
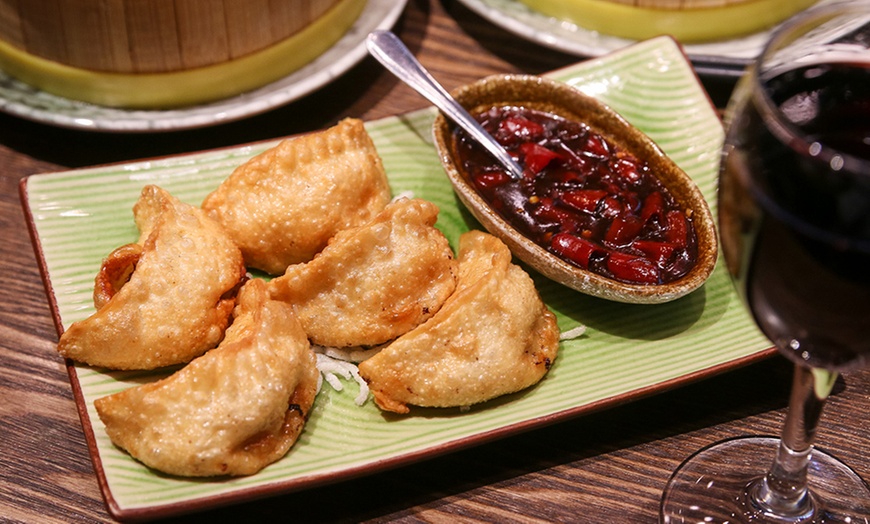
606	467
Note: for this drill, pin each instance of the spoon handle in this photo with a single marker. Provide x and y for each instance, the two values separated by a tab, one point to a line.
392	53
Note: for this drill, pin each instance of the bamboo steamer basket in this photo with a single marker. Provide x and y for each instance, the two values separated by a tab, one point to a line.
689	21
164	53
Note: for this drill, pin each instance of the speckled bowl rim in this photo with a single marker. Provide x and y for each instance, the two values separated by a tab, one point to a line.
553	96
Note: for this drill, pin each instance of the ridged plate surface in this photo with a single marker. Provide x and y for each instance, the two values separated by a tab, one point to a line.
628	350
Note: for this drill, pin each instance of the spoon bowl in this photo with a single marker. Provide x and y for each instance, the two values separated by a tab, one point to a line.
542	94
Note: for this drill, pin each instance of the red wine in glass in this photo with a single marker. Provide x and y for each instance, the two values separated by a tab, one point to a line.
801	256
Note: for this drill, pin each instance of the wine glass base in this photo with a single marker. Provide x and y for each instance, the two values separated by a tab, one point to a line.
711	486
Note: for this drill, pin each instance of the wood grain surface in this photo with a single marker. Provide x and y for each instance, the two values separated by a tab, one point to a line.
154	36
608	467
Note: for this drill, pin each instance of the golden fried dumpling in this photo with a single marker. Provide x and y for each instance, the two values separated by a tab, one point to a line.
373	282
165	299
232	411
493	336
282	206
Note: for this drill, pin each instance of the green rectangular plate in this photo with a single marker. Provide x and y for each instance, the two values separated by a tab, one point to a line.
77	217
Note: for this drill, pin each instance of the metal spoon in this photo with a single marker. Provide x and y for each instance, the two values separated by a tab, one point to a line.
392	53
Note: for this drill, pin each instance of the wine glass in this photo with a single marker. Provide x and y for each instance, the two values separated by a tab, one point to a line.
794	218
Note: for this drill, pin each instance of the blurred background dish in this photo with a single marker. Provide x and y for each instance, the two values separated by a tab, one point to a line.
24	100
689	21
725	57
154	55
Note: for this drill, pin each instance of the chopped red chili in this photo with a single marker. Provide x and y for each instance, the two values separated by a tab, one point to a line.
583	198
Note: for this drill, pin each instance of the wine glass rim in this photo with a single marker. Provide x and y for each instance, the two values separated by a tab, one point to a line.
785	130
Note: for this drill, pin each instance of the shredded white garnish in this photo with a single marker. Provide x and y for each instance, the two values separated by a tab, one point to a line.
404	194
572	333
337	364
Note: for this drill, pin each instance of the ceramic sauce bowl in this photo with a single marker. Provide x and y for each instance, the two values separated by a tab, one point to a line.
541	94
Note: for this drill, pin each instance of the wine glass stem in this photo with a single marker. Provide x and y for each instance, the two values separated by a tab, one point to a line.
783	490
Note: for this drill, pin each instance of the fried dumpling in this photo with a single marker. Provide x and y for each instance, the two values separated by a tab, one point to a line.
373	282
282	206
165	299
232	411
493	336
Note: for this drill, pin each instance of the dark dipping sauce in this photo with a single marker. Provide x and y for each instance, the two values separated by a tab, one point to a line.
582	198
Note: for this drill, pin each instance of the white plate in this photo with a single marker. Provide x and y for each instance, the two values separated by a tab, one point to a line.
22	100
724	58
